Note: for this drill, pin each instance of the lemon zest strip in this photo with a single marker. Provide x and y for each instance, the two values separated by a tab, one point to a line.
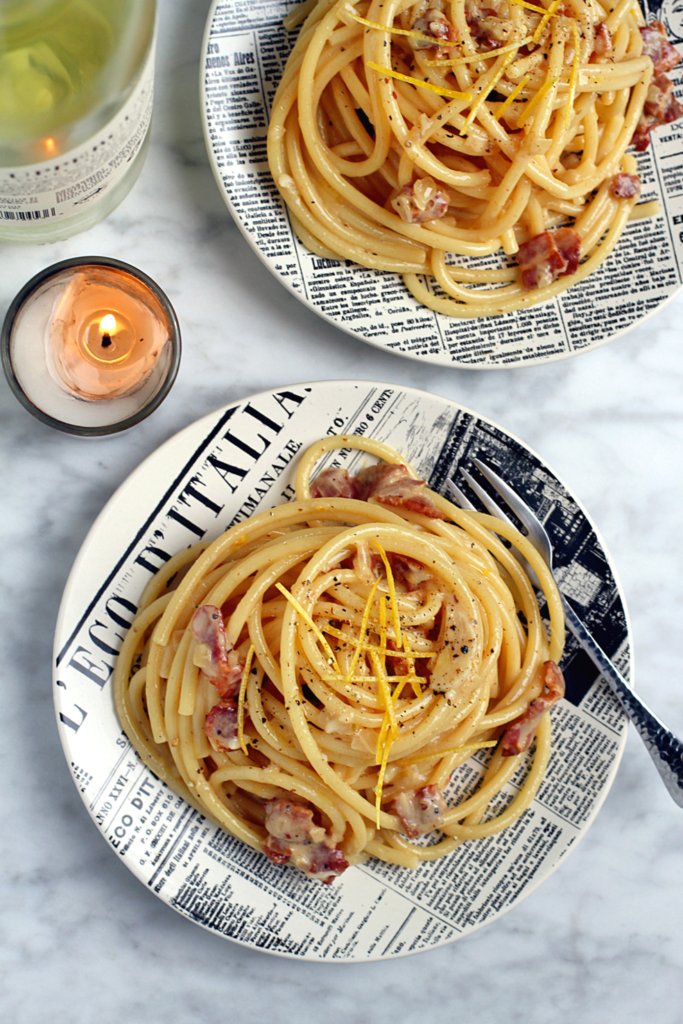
512	97
380	780
545	19
240	700
412	674
432	40
453	93
535	100
307	618
484	93
362	632
392	592
354	641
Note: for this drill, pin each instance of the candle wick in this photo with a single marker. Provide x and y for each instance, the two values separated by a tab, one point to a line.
106	340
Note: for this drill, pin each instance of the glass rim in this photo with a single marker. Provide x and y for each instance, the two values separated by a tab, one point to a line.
71	428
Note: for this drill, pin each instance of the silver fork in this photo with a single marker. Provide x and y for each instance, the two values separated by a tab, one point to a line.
665	749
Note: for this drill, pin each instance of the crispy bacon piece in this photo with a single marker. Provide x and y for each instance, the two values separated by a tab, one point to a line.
214	653
421	811
625	186
421	202
518	736
433	23
487	27
661	107
657	47
389	484
294	838
547	256
289	820
333	483
325	863
602	43
393	485
220	727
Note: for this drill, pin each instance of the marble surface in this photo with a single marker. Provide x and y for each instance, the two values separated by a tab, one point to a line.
83	941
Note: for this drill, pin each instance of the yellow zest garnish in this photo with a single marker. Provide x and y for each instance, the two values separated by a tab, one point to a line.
512	97
410	658
432	40
373	679
380	780
334	631
573	79
392	592
451	750
484	93
385	693
545	19
452	93
363	628
383	632
455	61
307	618
535	100
240	700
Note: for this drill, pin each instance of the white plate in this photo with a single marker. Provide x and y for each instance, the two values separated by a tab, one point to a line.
229	464
245	49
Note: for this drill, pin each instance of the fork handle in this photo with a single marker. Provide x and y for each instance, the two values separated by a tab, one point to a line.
665	749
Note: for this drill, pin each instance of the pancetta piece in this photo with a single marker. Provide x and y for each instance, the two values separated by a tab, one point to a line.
625	186
394	486
547	256
333	483
661	107
433	23
518	736
294	838
214	654
421	811
487	27
421	202
291	821
220	727
602	42
657	47
389	484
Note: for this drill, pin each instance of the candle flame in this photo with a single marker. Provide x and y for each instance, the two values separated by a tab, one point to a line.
108	324
50	145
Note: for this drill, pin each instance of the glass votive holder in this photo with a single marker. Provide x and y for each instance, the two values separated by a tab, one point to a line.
91	346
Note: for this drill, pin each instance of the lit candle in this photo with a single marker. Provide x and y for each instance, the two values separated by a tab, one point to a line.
91	346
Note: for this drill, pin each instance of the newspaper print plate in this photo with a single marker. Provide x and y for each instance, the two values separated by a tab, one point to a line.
217	472
245	50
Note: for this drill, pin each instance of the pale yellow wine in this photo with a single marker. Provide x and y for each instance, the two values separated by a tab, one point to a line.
75	105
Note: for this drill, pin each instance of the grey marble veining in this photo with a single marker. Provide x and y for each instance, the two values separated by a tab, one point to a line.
83	941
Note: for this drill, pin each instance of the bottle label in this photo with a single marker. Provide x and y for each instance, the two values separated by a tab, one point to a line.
56	188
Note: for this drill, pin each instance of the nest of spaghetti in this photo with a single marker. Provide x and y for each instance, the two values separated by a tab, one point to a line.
423	137
312	679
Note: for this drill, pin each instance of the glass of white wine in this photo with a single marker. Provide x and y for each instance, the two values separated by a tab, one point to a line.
76	88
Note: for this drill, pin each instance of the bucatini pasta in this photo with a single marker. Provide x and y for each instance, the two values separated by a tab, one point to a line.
407	136
312	679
